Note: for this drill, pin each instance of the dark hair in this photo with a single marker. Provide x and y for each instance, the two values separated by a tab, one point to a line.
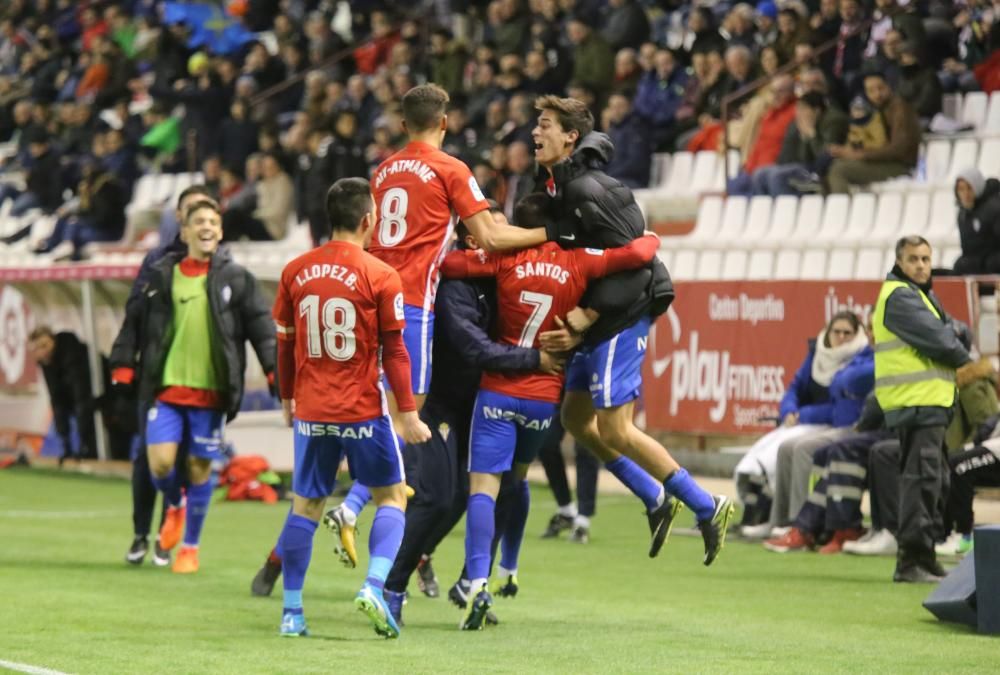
573	115
423	107
202	204
909	240
347	201
873	72
532	211
848	316
40	332
194	190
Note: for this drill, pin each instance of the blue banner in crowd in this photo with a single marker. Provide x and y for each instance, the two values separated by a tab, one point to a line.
211	28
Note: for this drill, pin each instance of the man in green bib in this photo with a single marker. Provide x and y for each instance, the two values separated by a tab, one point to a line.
917	351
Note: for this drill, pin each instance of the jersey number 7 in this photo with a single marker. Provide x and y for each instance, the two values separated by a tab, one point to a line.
337	335
392	220
541	304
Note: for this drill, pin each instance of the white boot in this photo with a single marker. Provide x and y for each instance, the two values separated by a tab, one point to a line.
881	542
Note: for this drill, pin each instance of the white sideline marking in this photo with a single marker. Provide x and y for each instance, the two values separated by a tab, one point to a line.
25	668
27	513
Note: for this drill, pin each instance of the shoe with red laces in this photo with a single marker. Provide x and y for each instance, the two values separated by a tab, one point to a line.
793	540
836	543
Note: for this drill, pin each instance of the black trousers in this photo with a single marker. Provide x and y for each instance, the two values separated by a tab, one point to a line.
438	473
923	485
978	467
883	484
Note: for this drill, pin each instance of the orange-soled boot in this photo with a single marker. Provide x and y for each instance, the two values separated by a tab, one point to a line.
173	527
187	561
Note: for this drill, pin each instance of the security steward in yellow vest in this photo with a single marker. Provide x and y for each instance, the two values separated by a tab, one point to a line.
918	348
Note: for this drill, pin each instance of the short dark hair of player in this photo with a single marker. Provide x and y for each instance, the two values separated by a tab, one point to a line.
573	115
532	211
194	190
199	205
424	106
347	201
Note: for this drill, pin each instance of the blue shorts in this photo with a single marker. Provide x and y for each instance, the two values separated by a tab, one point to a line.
612	370
199	429
507	430
371	447
418	336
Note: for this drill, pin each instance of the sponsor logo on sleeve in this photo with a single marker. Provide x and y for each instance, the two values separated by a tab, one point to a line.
477	193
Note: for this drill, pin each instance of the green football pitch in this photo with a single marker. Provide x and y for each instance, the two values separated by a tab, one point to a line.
69	603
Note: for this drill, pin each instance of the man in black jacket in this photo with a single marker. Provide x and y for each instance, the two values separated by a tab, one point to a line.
589	208
143	490
197	312
978	223
64	363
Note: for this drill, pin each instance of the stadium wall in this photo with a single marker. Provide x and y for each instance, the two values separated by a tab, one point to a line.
717	362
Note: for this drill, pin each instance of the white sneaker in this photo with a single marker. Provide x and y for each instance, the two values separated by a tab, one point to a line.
865	538
950	545
762	531
881	542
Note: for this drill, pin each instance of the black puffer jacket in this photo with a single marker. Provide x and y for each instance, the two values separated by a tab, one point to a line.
979	227
239	311
593	210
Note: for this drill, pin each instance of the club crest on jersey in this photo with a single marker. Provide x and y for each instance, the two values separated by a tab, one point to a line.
444	430
318	429
397	306
227	294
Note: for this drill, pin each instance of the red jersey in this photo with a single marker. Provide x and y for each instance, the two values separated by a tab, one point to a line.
416	191
533	287
334	302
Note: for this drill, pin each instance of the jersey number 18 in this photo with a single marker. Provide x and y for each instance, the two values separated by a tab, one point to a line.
336	335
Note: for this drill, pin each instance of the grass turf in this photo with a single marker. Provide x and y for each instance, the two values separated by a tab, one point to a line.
69	602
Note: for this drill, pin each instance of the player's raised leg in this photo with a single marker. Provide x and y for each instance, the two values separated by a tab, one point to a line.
618	364
580	420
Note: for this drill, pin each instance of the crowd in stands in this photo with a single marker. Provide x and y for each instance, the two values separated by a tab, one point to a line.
95	93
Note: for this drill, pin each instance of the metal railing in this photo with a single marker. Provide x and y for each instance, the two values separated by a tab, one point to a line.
765	80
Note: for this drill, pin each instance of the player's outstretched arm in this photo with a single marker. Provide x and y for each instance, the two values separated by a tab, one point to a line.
597	264
494	236
469	263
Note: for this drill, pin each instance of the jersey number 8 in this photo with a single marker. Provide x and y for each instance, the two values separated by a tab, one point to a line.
337	335
392	221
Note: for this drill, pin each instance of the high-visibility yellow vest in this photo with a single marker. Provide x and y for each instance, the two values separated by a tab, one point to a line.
905	378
